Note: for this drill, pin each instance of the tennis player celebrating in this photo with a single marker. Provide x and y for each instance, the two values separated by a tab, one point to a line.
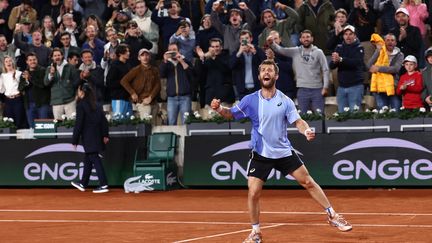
270	111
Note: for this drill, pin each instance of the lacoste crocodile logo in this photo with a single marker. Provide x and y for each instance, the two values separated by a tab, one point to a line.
134	184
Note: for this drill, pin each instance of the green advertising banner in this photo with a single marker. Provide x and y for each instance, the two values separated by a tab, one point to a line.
54	162
352	159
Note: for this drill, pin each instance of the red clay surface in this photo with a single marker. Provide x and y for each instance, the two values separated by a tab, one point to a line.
67	215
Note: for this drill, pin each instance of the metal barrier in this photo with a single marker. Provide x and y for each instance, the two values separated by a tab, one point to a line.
243	131
329	129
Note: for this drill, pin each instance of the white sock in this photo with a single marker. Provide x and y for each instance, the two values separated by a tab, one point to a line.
256	227
330	212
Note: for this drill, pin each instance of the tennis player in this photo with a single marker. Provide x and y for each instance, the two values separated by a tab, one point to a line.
270	111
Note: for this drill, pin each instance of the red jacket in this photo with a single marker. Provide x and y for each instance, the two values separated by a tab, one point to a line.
411	96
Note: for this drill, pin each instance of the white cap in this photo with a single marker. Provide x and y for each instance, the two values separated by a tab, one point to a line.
349	27
410	58
402	10
142	51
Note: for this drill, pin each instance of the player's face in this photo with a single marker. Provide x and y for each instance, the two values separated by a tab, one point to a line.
267	76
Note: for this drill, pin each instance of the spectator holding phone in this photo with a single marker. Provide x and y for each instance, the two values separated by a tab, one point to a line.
185	38
410	84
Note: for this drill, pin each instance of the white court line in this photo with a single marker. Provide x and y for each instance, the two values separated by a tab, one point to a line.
223	234
201	222
201	212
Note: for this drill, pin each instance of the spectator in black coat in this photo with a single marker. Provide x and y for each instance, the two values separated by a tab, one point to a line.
93	74
136	41
92	127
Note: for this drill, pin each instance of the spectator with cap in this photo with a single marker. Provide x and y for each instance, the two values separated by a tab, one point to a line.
143	84
427	78
348	58
168	24
410	85
120	103
385	65
285	27
231	31
386	10
22	12
149	28
136	41
185	39
119	21
408	36
178	72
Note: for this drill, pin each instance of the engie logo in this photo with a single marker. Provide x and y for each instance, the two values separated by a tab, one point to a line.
231	170
36	170
375	165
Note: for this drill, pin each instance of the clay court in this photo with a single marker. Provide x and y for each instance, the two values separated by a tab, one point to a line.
67	215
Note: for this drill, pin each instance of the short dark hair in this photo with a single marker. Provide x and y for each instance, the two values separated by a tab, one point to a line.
56	49
244	32
73	54
30	54
216	40
306	31
65	33
121	49
86	51
269	62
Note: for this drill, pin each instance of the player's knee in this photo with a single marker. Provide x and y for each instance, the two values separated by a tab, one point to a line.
254	194
308	182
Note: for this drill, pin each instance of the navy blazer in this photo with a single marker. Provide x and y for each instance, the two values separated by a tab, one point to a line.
91	126
237	64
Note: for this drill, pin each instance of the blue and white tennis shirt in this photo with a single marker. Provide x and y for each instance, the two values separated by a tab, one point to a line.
270	118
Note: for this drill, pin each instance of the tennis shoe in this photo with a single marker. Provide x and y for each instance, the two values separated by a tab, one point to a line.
78	186
254	237
338	221
101	189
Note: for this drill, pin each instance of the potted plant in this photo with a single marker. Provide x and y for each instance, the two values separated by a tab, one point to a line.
65	125
428	120
7	126
315	119
214	124
125	125
412	117
350	121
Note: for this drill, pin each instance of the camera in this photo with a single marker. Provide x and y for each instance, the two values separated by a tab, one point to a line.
244	42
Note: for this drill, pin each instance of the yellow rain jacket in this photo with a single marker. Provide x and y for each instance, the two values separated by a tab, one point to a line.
381	82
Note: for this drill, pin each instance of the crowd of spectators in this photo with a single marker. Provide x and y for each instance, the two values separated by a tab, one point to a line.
139	54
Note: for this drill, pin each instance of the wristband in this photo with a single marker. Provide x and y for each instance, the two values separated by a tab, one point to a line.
307	130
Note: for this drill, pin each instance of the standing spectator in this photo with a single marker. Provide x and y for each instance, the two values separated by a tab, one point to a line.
410	85
22	12
5	10
91	127
14	103
317	16
143	84
48	31
386	10
6	50
178	72
218	81
68	8
110	50
285	82
97	23
93	43
244	65
193	10
92	74
231	32
36	94
427	78
384	65
348	58
68	25
311	69
149	29
52	9
67	48
285	27
63	80
408	37
74	59
335	36
42	52
168	19
136	41
118	69
185	39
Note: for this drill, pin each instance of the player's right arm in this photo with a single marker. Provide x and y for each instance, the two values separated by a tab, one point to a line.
223	111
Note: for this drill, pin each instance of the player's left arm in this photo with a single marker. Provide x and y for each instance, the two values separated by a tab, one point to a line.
304	128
